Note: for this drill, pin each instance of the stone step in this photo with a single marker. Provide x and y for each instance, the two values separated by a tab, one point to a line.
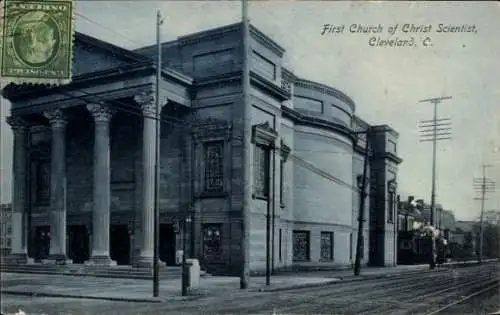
125	272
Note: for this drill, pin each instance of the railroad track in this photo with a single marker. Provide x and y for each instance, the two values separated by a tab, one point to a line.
406	292
492	285
413	296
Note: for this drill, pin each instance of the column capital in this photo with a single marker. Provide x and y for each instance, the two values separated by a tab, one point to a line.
19	125
100	113
147	102
56	118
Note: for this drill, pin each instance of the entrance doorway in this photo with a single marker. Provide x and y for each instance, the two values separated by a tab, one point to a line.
120	244
167	244
42	242
78	243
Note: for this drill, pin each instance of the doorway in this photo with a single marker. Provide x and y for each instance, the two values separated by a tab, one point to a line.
78	243
167	244
120	244
42	242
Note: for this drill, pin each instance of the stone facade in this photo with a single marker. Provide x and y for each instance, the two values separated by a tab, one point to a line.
90	161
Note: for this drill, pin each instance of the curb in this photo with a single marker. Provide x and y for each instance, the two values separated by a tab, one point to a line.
90	297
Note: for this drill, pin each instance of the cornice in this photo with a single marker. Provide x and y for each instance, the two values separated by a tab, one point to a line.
95	42
209	34
17	92
255	79
287	75
392	157
266	41
264	134
269	87
302	119
325	89
221	79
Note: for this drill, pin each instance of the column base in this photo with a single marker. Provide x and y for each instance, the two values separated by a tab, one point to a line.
101	260
58	259
17	259
147	262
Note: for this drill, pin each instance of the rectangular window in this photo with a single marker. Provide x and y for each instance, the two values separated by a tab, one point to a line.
392	147
263	66
280	245
42	182
214	166
326	245
308	104
301	245
282	182
390	208
214	63
261	171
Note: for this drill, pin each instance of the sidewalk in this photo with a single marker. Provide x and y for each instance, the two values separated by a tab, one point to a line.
134	290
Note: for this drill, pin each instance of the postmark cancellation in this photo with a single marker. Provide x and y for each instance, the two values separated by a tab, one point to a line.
37	41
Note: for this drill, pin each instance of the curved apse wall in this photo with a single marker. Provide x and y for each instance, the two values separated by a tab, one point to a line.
320	203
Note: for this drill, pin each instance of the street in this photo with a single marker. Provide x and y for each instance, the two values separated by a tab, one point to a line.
420	293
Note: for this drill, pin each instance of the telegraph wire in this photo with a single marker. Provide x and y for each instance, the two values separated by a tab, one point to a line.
108	28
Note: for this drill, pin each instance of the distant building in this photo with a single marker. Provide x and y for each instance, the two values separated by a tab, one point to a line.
409	217
5	229
492	217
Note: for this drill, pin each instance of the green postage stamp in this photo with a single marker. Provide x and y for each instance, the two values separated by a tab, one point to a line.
37	41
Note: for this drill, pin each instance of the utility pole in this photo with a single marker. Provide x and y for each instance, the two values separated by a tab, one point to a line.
484	185
362	194
156	266
431	132
246	145
362	197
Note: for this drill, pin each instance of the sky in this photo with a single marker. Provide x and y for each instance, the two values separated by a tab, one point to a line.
386	83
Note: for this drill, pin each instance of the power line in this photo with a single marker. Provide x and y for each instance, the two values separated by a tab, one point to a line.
108	28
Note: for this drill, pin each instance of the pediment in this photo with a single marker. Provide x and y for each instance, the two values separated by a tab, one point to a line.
91	55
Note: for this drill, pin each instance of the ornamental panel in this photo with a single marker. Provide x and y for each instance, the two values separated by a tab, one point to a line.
214	166
212	243
301	245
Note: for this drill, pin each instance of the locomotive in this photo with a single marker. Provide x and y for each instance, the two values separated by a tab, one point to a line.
415	247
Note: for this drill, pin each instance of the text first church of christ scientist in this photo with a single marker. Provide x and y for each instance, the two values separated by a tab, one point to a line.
84	161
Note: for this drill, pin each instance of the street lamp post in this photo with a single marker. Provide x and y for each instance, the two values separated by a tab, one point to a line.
185	273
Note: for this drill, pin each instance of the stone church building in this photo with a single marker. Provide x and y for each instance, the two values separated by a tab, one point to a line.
84	155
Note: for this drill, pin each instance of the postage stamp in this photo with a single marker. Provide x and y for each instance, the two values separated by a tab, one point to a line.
37	41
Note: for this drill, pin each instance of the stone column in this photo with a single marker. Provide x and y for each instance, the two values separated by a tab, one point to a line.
18	250
148	106
102	190
57	210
